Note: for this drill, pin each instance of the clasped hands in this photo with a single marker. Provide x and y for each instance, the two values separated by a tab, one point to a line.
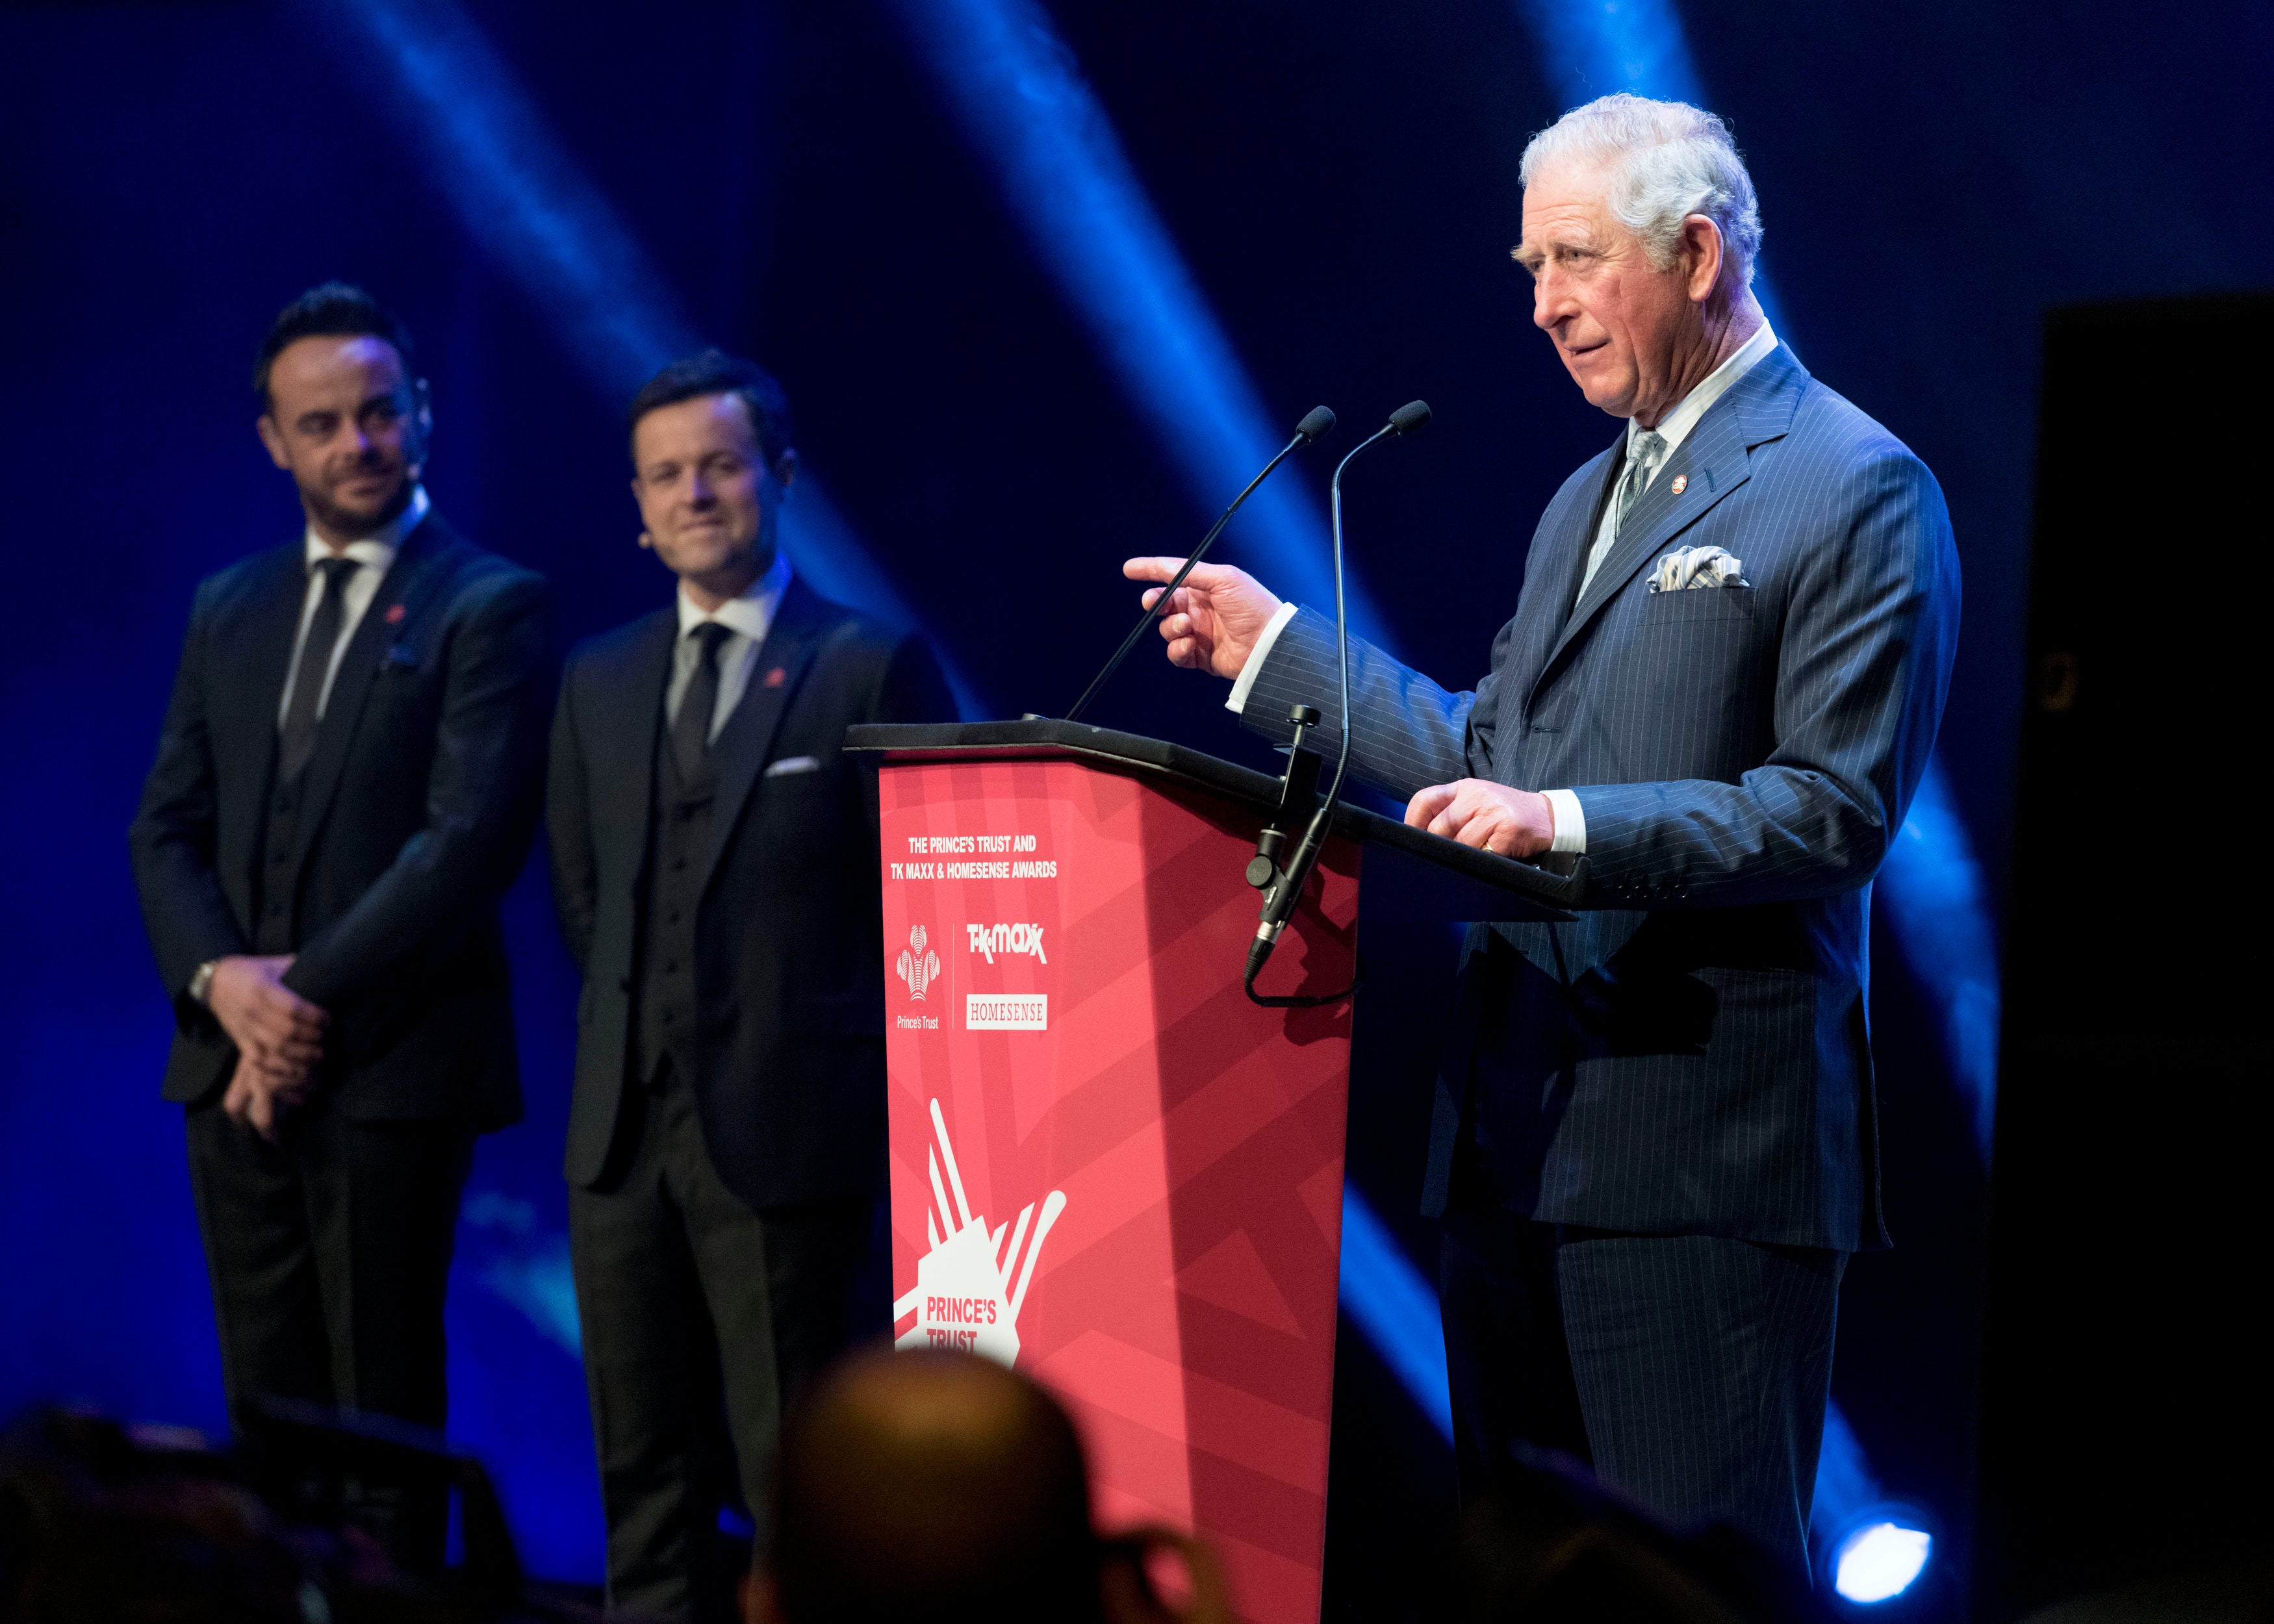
1213	623
279	1037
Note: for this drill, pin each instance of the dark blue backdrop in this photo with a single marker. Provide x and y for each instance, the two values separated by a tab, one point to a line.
789	181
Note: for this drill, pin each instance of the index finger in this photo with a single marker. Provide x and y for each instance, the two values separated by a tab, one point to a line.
1427	803
1164	570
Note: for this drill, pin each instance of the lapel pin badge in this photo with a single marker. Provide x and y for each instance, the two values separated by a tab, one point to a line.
394	614
1681	483
777	676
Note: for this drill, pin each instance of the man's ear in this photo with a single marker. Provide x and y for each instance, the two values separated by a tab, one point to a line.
1701	240
272	439
785	469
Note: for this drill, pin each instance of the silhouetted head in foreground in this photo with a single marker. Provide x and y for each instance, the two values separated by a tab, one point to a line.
930	1484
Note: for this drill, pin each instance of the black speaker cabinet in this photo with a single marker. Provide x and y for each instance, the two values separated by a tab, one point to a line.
2125	1359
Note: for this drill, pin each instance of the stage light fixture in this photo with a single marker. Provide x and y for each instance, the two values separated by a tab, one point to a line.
1881	1555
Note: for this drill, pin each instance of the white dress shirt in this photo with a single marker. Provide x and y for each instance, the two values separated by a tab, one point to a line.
375	554
1674	428
749	618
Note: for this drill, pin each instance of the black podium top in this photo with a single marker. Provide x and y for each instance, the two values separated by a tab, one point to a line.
1410	873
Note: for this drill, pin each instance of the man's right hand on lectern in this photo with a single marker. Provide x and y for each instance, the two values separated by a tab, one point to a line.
1215	617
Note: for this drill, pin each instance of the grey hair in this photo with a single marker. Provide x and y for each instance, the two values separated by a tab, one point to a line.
1666	161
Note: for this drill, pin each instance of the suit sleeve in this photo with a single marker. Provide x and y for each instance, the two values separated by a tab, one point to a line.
172	838
1863	669
482	800
1406	732
569	828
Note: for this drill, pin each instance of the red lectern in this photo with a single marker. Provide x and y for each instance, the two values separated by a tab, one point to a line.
1109	1166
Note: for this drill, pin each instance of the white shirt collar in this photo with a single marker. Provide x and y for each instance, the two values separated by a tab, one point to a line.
1675	427
752	613
378	548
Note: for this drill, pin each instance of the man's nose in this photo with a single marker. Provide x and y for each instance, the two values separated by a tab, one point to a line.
699	492
1551	302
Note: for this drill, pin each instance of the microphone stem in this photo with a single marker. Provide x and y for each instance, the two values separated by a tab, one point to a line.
1306	851
1178	580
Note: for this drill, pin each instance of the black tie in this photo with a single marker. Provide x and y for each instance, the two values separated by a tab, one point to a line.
315	662
691	732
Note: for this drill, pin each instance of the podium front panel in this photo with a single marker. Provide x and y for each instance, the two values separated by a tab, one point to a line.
1110	1169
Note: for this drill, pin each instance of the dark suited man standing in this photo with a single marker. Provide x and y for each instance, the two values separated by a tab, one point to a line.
715	864
346	781
1655	1139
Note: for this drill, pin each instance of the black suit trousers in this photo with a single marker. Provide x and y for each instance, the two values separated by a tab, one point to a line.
330	1254
693	1302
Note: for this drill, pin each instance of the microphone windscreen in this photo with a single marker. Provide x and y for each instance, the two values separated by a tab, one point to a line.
1316	421
1411	415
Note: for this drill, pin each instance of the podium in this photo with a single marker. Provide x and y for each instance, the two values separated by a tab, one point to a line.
1110	1169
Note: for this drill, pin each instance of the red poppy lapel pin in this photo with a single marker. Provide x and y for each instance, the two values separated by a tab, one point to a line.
394	614
777	676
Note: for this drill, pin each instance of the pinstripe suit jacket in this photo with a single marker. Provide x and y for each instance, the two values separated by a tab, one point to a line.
1690	1055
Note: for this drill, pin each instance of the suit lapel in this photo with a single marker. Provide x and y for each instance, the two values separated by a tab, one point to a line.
1552	578
740	752
251	671
620	728
1714	460
409	581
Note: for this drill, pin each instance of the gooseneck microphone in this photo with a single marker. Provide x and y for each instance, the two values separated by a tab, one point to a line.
1279	899
1316	424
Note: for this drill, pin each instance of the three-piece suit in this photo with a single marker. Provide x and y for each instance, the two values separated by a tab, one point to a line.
725	1149
377	864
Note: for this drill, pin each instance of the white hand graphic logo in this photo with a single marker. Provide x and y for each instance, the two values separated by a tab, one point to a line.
964	1298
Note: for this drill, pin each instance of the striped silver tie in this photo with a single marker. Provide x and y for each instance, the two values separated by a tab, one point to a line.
1645	452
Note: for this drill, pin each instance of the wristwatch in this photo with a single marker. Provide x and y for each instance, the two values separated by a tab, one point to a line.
201	983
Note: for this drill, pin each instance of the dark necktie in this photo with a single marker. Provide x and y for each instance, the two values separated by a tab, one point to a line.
315	661
691	732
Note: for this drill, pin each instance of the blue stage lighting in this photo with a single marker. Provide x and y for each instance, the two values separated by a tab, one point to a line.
1937	905
1018	95
1881	1556
524	201
1387	1298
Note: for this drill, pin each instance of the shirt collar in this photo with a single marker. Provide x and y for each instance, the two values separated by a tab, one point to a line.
378	548
752	613
1675	427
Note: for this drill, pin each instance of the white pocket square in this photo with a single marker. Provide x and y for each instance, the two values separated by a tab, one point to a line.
1686	567
789	764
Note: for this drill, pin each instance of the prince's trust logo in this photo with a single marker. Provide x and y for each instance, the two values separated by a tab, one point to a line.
917	968
964	1298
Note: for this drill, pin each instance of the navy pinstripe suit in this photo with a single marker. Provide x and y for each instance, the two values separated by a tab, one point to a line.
1689	1059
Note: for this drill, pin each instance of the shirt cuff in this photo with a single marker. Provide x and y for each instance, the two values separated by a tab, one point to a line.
1257	655
1571	821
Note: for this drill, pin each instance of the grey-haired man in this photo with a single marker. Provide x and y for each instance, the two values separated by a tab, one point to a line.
1655	1136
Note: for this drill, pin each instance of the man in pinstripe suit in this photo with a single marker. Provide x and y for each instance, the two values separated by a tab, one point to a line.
1655	1139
